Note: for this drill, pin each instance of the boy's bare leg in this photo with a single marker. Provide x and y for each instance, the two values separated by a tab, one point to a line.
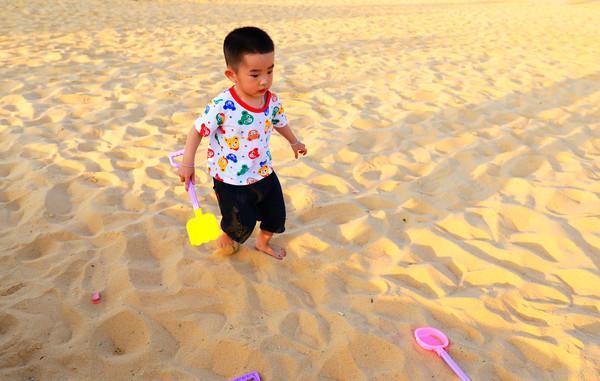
226	246
262	244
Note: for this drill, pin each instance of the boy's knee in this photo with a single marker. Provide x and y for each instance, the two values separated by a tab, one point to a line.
238	232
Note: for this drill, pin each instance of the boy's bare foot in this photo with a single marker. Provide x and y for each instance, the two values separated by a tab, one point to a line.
272	250
262	244
226	246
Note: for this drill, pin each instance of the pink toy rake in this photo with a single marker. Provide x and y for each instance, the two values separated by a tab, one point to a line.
434	340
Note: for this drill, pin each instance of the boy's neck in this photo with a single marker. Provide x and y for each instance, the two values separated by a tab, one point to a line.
256	102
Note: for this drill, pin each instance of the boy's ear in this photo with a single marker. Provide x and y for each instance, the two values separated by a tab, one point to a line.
231	74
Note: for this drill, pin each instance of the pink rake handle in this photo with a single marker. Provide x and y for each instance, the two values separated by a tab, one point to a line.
454	366
191	188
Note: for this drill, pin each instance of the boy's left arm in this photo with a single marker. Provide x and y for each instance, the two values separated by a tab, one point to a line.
297	146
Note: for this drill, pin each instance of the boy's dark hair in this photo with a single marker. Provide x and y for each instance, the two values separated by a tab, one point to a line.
246	40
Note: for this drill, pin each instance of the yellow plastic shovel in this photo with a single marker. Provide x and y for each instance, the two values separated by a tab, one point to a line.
203	227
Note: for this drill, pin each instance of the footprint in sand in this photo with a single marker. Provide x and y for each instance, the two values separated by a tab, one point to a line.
305	328
37	248
8	326
78	99
124	333
12	289
526	165
58	200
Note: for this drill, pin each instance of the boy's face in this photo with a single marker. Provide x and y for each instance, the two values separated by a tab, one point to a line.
254	74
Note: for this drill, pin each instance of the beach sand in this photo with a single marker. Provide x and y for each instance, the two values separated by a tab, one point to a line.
452	181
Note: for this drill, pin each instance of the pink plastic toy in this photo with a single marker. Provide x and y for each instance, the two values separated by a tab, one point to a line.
96	297
248	377
435	340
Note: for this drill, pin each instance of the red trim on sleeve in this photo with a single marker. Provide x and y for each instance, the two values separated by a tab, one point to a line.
247	106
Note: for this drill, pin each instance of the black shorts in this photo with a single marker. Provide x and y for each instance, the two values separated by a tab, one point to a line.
242	205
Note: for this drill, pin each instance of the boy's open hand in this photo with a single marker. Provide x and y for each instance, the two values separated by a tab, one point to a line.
299	148
186	174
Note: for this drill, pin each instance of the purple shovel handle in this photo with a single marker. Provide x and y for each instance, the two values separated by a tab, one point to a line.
454	366
192	194
172	157
191	187
254	376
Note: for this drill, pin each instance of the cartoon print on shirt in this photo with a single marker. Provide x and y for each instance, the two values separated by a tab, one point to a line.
246	119
274	114
223	163
207	109
253	134
220	120
251	181
233	143
264	171
229	105
210	153
243	170
232	157
204	131
269	155
253	154
275	111
267	126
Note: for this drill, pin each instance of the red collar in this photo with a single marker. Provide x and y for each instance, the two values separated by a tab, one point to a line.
246	105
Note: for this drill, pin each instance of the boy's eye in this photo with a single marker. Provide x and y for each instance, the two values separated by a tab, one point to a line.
270	72
254	75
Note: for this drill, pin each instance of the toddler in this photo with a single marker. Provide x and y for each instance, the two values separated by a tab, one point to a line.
238	124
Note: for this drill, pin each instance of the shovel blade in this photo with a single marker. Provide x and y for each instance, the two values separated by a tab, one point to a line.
202	228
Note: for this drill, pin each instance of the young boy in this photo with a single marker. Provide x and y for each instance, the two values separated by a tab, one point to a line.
238	123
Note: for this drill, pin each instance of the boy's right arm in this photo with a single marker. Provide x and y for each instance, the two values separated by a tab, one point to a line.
186	171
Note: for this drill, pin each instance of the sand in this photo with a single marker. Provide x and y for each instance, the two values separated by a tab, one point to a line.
452	181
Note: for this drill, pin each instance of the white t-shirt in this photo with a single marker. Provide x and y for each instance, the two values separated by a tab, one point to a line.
239	134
